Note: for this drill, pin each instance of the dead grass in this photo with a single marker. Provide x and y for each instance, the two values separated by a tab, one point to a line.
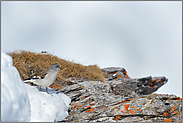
29	64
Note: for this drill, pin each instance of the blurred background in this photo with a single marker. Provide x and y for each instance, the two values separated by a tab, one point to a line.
145	38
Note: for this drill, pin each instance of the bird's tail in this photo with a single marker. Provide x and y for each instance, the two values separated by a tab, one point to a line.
28	81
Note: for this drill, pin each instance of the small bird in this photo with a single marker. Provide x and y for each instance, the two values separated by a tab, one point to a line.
50	76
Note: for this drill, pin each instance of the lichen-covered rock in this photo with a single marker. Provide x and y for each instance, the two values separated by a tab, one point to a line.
117	73
135	87
121	99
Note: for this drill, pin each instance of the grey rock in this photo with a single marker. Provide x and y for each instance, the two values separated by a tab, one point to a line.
112	73
121	99
135	87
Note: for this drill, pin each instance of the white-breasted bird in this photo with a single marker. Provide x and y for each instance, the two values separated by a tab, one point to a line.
50	76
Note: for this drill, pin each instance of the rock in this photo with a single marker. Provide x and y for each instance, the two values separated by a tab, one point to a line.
121	99
135	87
112	73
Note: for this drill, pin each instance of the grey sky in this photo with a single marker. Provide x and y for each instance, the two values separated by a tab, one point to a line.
143	37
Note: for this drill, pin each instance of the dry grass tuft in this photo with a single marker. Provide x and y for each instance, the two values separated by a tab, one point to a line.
29	64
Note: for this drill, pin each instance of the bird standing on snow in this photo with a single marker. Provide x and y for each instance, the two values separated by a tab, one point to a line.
49	78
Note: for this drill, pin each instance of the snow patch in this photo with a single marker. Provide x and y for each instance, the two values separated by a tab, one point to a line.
14	100
47	107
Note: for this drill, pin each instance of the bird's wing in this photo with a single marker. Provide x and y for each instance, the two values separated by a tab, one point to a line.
27	81
42	74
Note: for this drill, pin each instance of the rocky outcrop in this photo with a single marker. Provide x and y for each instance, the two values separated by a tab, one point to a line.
120	98
135	87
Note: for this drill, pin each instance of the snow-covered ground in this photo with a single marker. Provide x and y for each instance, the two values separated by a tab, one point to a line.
47	107
22	102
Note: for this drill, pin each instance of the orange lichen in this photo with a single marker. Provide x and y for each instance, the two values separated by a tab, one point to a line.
160	81
140	109
116	118
83	97
125	72
174	107
132	107
90	110
165	113
132	99
74	104
154	82
103	82
122	111
135	110
51	86
105	107
173	112
91	103
119	76
176	115
79	106
168	120
126	106
57	87
88	106
178	98
115	108
131	112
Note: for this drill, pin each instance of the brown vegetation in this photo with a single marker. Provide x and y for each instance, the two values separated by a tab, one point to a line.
29	64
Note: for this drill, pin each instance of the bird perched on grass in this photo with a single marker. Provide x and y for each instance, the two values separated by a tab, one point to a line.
49	76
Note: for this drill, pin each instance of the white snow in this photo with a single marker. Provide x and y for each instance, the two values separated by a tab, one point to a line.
22	102
47	107
14	100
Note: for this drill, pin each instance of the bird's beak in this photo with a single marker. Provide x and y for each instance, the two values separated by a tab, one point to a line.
60	66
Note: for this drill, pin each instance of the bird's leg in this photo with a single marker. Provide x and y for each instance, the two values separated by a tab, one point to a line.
47	90
40	88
